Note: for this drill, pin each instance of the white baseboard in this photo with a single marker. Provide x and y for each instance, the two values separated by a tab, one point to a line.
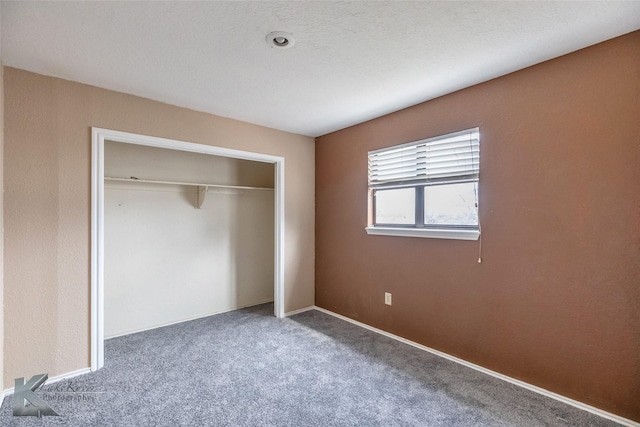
200	316
52	380
301	310
531	387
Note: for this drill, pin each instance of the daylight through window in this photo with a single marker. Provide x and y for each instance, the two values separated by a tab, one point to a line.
427	188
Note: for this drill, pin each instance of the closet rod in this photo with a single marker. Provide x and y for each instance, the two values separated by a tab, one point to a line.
149	181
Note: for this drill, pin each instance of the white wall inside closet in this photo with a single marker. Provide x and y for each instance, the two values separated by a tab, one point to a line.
165	260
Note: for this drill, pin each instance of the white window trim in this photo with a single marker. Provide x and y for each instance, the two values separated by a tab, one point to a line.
433	233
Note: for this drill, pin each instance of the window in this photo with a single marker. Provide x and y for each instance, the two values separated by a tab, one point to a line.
427	188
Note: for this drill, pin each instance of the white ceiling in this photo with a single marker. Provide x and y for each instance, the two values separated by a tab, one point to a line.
352	61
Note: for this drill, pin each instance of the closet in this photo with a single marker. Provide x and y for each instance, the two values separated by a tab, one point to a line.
186	235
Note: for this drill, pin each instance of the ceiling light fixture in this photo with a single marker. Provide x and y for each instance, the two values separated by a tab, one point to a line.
280	39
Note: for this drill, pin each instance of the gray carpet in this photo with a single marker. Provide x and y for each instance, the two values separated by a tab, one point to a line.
247	368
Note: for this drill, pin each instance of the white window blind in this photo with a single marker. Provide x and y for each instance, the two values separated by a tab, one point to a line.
451	158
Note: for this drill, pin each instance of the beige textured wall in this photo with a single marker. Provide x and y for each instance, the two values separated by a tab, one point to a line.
1	224
47	209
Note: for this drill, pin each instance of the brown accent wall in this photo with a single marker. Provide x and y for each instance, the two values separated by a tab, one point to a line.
47	173
556	300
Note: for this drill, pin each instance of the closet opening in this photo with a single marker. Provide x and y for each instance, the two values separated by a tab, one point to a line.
180	231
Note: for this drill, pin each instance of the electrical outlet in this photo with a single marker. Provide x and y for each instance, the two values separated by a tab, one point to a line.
387	298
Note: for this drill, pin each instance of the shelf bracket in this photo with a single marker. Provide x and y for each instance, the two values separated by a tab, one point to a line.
202	193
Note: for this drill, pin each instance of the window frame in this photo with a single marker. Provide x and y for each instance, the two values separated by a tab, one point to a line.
418	228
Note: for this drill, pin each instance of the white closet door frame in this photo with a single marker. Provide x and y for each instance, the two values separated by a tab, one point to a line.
98	137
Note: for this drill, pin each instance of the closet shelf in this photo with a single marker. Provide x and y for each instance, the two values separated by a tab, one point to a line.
202	188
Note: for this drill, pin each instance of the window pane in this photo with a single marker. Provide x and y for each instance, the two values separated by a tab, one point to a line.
396	206
451	204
